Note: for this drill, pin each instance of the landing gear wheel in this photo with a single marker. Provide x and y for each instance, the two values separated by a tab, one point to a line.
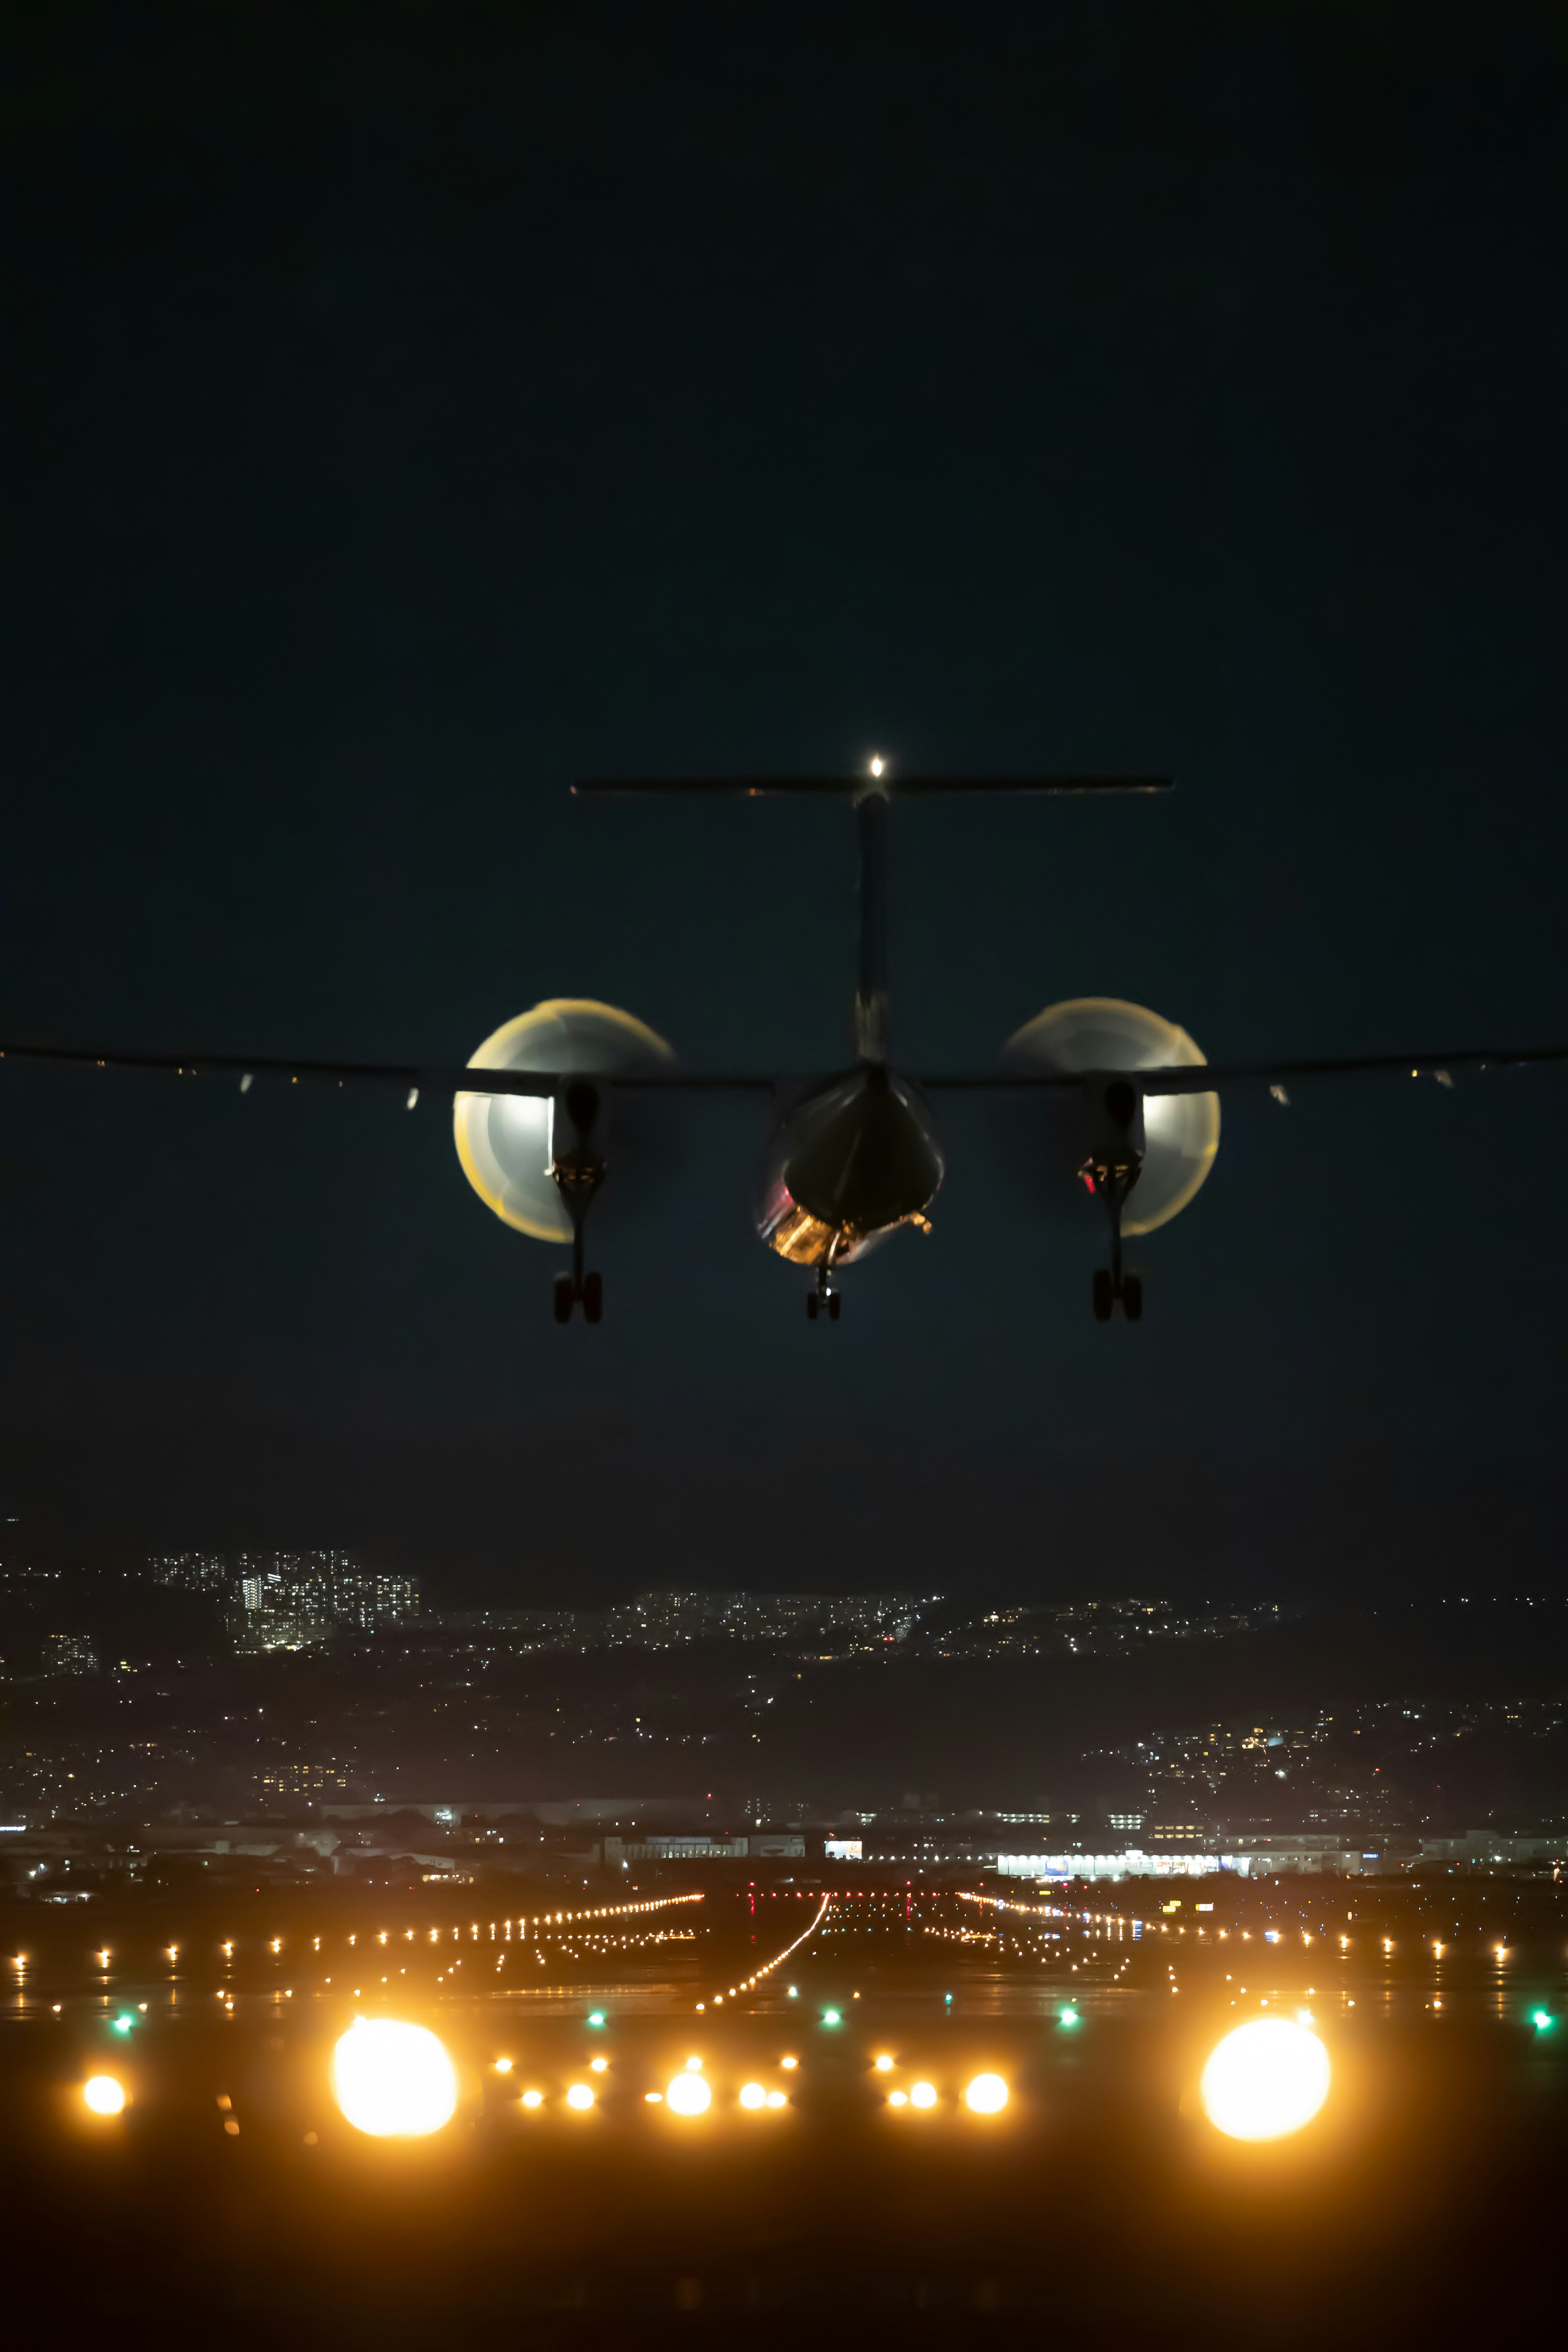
1103	1295
834	1303
593	1297
563	1299
813	1304
1133	1296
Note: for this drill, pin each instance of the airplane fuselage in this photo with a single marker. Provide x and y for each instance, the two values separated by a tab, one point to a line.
854	1158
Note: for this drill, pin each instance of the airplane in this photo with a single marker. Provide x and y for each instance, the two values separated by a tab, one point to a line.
1129	1107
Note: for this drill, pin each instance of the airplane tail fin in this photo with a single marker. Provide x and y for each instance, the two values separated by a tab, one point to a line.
871	793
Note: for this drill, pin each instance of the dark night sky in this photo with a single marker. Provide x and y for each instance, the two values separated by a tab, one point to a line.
414	408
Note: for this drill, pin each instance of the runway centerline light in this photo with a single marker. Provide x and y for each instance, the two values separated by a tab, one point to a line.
688	2094
393	2080
1266	2079
104	2096
986	2096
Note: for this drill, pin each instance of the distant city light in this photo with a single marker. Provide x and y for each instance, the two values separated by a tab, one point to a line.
393	2080
1266	2079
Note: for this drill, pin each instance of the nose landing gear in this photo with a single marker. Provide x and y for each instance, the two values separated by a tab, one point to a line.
825	1296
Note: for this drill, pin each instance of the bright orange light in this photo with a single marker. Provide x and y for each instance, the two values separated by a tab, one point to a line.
393	2080
580	2097
688	2094
1266	2079
104	2096
923	2094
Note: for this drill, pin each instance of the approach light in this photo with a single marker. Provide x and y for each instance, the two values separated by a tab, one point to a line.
104	2096
1264	2079
986	2096
923	2094
393	2080
898	2098
688	2094
777	2099
884	2065
754	2095
580	2097
534	2099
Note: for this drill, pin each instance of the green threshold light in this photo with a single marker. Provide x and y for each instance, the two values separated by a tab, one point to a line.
1069	2017
1543	2020
123	2023
595	2017
831	2017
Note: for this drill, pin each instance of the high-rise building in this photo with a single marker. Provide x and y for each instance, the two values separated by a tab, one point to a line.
68	1654
192	1571
291	1601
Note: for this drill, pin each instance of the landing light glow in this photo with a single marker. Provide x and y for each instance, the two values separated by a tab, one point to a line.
393	2080
688	2094
1266	2079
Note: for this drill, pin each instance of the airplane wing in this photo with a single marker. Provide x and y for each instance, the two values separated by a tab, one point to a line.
1210	1077
418	1078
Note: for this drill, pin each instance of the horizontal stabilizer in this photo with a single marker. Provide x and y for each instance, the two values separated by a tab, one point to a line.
902	787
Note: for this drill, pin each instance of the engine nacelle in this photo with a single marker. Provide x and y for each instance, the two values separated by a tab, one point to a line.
1174	1137
525	1154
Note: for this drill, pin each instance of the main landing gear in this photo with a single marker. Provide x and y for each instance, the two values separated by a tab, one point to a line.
1113	1179
579	1171
586	1290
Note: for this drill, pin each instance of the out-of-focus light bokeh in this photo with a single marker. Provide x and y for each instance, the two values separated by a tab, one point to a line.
104	2096
986	2096
688	2094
